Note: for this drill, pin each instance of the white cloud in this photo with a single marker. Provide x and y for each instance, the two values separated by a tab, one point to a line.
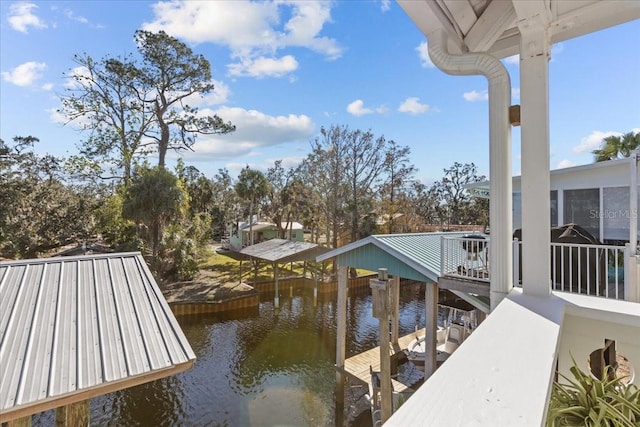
413	105
512	60
556	49
515	94
254	130
593	141
357	108
219	95
385	5
47	86
21	17
253	31
262	67
474	95
73	17
25	74
565	164
423	54
71	82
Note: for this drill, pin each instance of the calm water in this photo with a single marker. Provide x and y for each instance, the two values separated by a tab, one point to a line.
262	367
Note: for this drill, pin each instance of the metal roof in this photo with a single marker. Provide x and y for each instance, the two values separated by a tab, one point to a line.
257	226
280	250
76	327
412	256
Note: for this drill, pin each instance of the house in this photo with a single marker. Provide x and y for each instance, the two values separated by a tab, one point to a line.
240	237
502	375
594	196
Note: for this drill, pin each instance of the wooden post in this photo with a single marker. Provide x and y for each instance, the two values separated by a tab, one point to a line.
341	324
395	308
276	300
73	415
380	292
315	287
20	422
431	325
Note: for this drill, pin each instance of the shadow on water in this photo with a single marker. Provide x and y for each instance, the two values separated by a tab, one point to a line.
265	366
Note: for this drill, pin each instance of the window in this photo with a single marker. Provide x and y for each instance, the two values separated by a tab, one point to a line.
554	207
615	213
516	209
582	207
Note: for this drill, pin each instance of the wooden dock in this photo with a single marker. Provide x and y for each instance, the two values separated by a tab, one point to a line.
359	365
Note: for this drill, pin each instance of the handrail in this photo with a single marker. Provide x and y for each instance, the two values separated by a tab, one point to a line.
590	269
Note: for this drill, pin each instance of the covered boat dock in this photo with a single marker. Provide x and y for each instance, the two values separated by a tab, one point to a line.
281	251
73	328
413	256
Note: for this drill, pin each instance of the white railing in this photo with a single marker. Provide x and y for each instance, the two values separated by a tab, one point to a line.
596	270
465	257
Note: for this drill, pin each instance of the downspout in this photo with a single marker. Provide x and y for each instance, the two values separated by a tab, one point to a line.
500	215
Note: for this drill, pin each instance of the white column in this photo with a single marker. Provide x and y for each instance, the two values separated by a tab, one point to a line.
341	310
534	98
501	190
632	271
633	201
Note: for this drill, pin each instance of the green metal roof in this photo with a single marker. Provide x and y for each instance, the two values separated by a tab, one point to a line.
412	256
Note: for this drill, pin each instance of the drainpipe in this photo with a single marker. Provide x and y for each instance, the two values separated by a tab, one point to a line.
501	221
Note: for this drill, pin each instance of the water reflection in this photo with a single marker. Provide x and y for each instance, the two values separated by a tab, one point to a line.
260	367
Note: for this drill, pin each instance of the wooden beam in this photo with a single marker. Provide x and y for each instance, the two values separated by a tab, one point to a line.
395	308
466	286
20	422
532	8
73	415
490	26
431	324
86	394
341	309
463	12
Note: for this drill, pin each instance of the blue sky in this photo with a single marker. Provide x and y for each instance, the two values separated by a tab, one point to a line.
285	69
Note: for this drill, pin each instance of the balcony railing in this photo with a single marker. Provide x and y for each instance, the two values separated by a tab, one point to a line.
465	258
596	270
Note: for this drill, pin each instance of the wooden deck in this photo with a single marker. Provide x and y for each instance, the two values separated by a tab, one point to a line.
358	365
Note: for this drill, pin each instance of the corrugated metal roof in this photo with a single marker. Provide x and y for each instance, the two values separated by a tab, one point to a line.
281	250
412	256
77	327
260	225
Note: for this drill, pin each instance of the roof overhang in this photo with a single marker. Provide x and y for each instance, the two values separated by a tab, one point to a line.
72	328
492	25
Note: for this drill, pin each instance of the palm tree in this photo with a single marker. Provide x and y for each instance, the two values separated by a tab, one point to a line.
251	185
617	147
154	198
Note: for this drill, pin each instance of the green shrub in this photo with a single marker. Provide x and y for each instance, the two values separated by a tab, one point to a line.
588	401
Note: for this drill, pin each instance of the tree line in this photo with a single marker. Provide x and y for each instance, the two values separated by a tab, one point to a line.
134	109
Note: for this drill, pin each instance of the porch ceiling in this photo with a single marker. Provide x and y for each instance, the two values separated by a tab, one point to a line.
492	25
